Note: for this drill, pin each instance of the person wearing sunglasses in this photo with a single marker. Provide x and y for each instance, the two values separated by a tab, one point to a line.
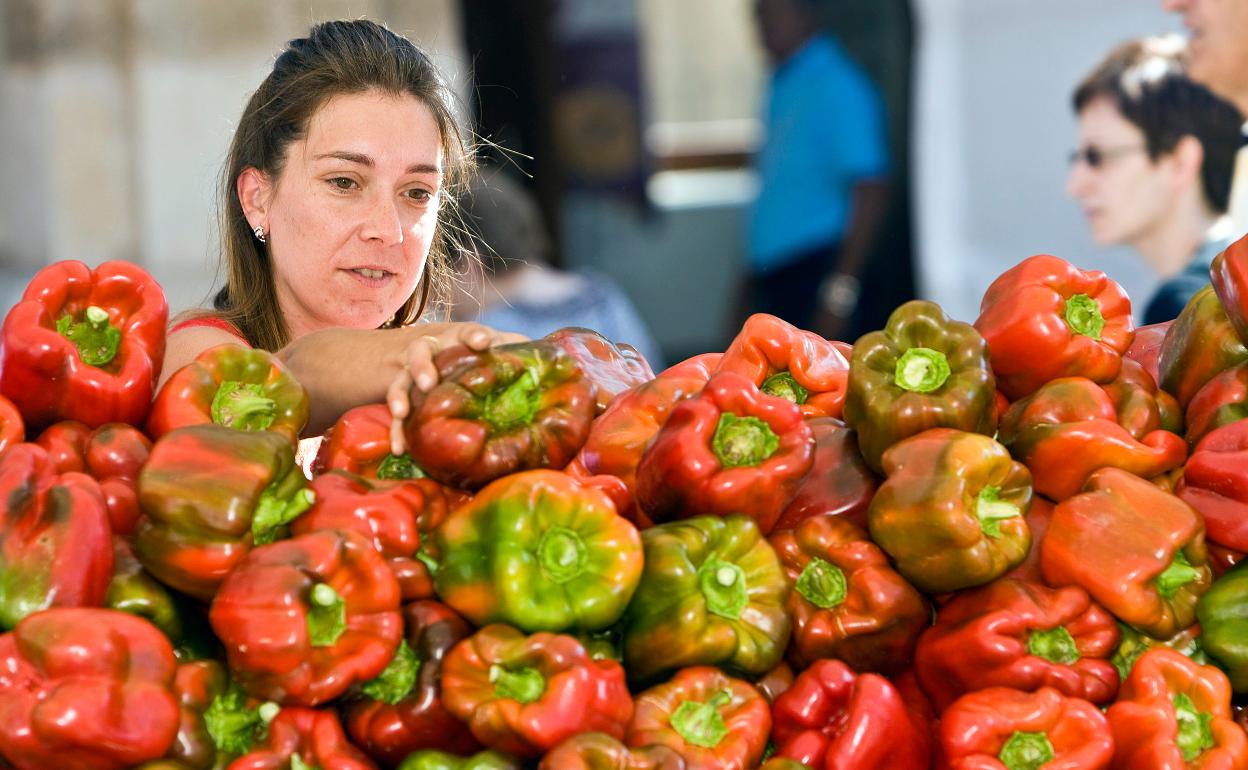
1153	165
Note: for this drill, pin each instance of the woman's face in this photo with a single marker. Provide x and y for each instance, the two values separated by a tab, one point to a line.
1126	194
352	215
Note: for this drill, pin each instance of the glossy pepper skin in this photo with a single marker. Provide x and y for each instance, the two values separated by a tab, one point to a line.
951	512
511	408
217	722
1020	635
1044	319
106	369
132	589
1224	627
922	371
599	751
524	695
55	546
712	592
397	516
540	551
1139	405
839	482
834	718
314	736
1229	274
112	454
85	689
1136	549
304	619
785	361
848	603
235	386
613	367
359	443
1173	713
209	493
1146	348
432	759
1007	729
1069	428
729	449
1200	343
715	722
1219	402
1134	644
12	429
1215	483
402	711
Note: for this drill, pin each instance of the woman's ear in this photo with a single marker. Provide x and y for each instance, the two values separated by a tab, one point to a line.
255	190
1189	156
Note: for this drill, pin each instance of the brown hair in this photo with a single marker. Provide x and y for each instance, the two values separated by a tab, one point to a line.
337	57
1147	81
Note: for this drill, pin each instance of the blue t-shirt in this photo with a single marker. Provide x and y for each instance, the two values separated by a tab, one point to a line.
1173	294
825	131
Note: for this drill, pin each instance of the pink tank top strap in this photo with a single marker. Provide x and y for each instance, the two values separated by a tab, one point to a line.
211	322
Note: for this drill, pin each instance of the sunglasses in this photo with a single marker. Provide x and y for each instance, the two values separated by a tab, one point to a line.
1096	157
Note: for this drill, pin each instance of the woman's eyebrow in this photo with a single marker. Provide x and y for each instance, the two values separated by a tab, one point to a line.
364	160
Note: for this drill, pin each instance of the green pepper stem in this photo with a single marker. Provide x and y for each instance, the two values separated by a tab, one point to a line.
243	406
268	711
561	554
1178	574
785	385
743	441
399	467
723	587
523	685
514	405
1195	733
700	723
396	682
96	340
822	584
1083	316
991	510
232	726
327	616
921	370
1055	645
1026	751
272	513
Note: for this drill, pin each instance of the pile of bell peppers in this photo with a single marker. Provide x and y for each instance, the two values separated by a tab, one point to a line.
1014	541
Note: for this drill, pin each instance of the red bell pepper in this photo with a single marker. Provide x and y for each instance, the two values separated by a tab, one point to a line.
12	429
217	722
84	345
1146	348
1221	401
1200	343
56	549
834	718
112	454
1044	319
1069	428
402	710
1014	730
359	443
397	516
1172	712
839	482
85	689
613	367
775	681
1020	635
1139	551
713	721
304	619
304	739
238	387
848	603
1229	273
599	751
1139	406
796	365
730	449
524	695
1037	518
1215	483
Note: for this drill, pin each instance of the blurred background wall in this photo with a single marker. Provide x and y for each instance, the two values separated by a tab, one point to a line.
633	119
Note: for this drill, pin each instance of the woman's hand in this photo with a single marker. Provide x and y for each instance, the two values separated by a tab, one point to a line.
421	371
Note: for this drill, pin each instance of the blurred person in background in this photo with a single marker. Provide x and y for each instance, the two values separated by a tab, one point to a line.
511	284
823	174
1153	165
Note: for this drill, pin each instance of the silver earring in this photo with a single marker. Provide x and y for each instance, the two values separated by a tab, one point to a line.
259	233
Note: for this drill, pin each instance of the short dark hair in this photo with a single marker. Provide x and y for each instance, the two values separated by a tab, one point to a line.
1147	81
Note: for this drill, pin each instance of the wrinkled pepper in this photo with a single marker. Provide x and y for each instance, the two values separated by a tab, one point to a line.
839	482
304	739
951	512
1229	274
847	601
524	695
12	429
1044	319
1134	644
1146	348
613	367
1069	428
1139	406
85	689
1200	343
1172	712
401	711
359	443
729	449
1037	518
1003	728
794	364
304	619
209	494
712	592
1224	625
235	386
540	551
56	549
1136	549
112	454
432	759
713	721
1215	483
510	408
1021	635
1221	401
833	717
599	751
132	589
217	723
84	345
397	516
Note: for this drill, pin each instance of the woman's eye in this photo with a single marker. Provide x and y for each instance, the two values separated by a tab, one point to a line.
418	194
342	182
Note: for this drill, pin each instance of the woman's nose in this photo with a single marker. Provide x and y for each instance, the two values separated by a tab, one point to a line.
383	223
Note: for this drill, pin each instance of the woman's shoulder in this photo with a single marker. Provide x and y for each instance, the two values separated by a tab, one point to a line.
205	320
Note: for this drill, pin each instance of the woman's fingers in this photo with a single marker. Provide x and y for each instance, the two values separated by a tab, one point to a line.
398	398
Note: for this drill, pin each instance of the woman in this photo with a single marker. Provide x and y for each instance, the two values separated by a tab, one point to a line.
1153	165
334	204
